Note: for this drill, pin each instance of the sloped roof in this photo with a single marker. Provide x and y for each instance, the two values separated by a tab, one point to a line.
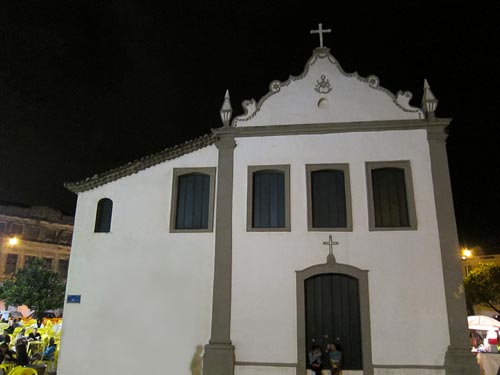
141	164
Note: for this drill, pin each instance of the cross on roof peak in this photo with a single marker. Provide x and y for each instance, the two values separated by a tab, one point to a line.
320	31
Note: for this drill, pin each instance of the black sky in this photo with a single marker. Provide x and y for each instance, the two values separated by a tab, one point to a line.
86	86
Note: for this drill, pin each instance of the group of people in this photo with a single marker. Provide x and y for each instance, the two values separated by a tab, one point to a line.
330	359
19	352
13	324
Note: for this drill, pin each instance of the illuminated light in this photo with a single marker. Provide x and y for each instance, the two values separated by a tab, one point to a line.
13	241
467	253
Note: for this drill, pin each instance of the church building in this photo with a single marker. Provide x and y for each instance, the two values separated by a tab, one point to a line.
322	215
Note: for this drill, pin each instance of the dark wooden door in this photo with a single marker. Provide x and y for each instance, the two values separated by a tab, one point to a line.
333	316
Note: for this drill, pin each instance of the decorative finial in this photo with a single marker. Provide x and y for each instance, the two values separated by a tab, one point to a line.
226	110
320	31
429	101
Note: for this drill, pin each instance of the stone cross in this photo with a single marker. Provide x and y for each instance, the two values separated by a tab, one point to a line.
320	31
330	243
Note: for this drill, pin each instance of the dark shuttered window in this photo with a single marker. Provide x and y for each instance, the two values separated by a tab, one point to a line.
192	207
63	268
193	196
48	263
103	216
269	199
11	263
390	200
328	199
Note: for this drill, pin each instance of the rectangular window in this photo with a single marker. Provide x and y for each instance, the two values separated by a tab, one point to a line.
192	200
48	263
268	206
63	268
32	232
391	204
11	264
49	235
65	237
16	228
328	197
3	225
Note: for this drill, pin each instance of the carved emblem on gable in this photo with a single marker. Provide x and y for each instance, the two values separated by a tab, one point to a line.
323	86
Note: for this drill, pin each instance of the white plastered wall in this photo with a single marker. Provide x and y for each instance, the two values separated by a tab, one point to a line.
146	293
407	301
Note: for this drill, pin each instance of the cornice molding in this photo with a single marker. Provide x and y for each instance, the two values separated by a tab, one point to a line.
433	126
226	143
224	137
437	134
37	214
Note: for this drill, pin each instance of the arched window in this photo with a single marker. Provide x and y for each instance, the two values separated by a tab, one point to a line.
329	202
192	200
391	196
269	198
103	215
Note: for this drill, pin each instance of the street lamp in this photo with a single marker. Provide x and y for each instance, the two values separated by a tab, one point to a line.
13	241
466	253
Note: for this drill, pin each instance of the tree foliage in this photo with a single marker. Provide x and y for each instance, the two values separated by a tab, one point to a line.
482	286
35	286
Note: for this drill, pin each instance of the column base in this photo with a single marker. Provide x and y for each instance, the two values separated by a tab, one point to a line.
218	359
459	361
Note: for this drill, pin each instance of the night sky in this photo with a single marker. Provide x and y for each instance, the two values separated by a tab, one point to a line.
86	86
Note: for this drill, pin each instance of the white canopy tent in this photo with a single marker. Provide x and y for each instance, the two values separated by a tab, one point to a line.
483	323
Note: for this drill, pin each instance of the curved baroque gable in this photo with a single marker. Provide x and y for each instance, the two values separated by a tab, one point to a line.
324	93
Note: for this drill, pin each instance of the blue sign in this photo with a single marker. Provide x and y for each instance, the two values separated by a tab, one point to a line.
74	298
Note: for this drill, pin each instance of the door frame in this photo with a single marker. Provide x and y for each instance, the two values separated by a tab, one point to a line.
364	306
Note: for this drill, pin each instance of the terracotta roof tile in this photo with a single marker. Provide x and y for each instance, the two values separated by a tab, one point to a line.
140	164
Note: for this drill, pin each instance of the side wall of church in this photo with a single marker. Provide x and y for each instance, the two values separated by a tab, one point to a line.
146	293
405	330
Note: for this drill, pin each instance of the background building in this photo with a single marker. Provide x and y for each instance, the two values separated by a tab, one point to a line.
27	232
471	258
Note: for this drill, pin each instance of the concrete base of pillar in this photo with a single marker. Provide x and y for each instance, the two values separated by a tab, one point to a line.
459	361
218	359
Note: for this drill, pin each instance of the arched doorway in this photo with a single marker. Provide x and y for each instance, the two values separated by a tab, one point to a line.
333	300
333	316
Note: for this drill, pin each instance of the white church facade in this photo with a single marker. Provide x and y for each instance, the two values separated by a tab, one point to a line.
322	215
